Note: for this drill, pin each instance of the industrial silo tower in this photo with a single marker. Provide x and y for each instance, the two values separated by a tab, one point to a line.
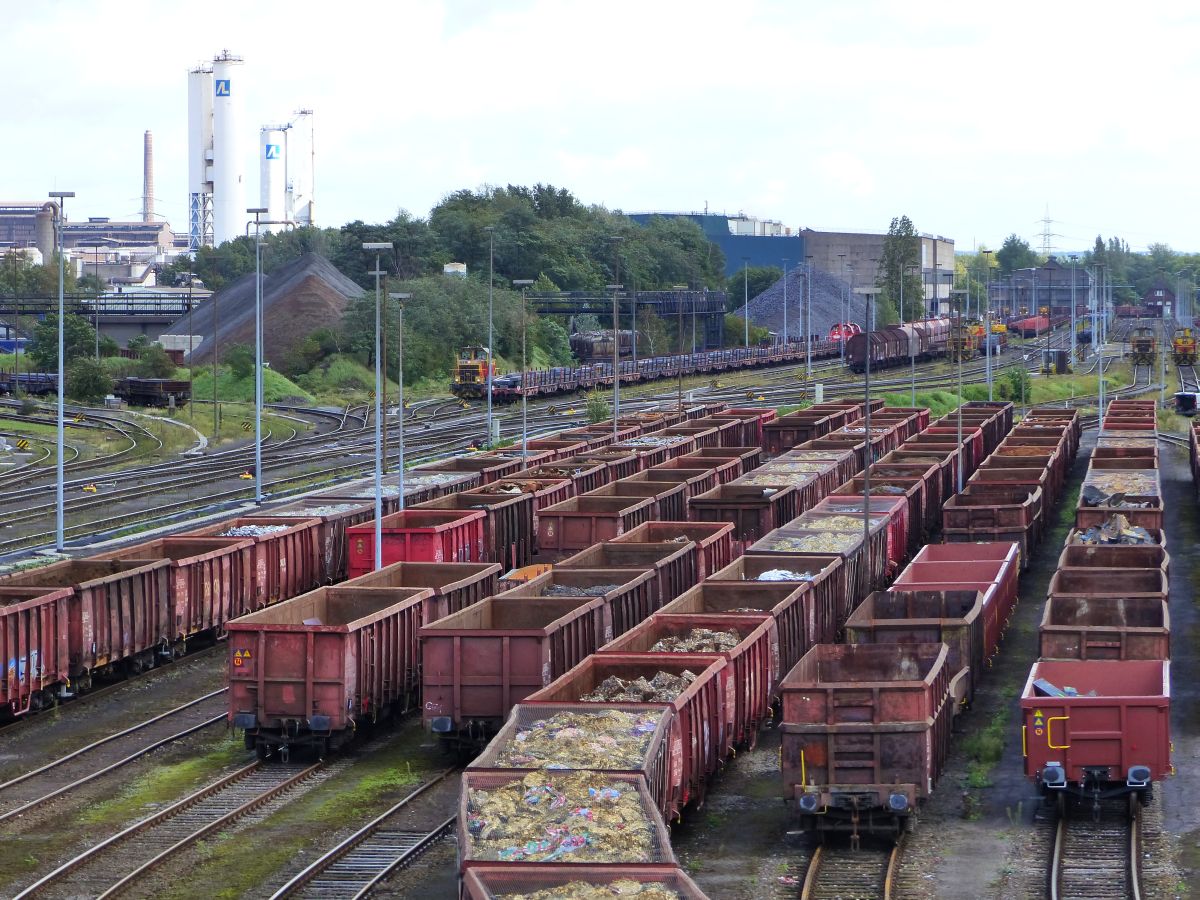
216	172
285	159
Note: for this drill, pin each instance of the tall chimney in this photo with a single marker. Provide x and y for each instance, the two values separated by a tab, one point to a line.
148	178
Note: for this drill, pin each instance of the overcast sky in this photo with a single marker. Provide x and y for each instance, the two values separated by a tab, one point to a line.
970	118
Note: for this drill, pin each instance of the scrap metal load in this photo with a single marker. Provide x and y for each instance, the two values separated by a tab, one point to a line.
1095	708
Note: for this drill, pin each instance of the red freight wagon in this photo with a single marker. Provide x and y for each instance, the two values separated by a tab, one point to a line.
486	882
752	510
982	577
865	733
545	492
1006	556
211	579
557	447
645	748
119	611
307	671
453	586
699	728
753	668
628	595
699	433
590	519
508	535
1117	628
1113	734
287	552
672	565
419	535
995	512
825	577
1115	556
33	639
793	429
753	422
418	487
478	662
617	464
953	618
489	467
714	541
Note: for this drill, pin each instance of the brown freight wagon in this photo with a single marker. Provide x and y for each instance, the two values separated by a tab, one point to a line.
700	726
508	534
1118	628
617	464
701	435
288	557
119	612
730	430
866	729
673	565
1115	556
510	751
823	576
489	467
696	479
478	663
585	474
793	429
752	510
310	670
1094	584
333	516
418	487
545	492
953	618
211	579
747	458
667	498
995	512
753	664
33	632
452	586
558	448
590	519
714	541
629	595
788	603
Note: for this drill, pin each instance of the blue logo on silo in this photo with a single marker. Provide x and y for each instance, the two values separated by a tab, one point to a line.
222	87
273	151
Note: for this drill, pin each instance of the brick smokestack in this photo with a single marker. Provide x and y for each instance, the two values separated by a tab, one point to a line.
148	178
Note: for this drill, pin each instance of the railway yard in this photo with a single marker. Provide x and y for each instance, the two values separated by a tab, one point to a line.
749	640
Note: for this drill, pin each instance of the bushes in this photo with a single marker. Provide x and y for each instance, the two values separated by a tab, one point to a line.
87	381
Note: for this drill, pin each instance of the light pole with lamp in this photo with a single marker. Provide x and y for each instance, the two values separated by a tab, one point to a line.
869	456
746	298
1074	258
379	247
400	297
679	289
491	364
617	356
523	284
842	324
808	332
60	219
987	318
785	324
912	344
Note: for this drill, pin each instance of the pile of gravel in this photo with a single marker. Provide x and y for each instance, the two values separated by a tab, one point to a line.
766	309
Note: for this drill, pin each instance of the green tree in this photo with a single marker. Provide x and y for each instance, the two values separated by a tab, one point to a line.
1015	253
79	339
240	359
87	382
759	278
900	265
153	362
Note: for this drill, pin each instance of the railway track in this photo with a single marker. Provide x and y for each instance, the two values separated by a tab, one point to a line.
841	873
1096	855
371	854
36	787
1188	379
114	864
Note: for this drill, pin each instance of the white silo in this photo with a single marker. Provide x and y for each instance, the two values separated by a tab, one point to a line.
200	142
228	172
272	172
301	163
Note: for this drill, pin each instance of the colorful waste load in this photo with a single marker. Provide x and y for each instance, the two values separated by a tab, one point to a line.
603	739
833	542
253	530
1111	488
784	575
1116	530
584	890
698	640
568	590
566	817
663	687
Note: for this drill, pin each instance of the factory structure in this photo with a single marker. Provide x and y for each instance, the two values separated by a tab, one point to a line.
217	138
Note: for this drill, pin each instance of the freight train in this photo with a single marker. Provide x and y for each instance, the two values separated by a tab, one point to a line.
1183	347
590	346
574	379
1096	706
135	391
896	344
471	372
1143	346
